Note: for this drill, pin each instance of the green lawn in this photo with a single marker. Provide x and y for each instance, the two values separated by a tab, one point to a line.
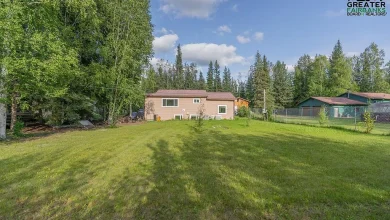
166	171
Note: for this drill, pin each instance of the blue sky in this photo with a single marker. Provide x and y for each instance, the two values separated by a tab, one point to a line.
231	31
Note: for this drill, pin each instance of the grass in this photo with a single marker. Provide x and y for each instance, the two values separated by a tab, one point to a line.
166	171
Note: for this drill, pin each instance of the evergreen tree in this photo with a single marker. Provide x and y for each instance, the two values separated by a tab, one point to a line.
250	90
340	72
281	85
262	83
226	81
241	90
317	76
179	76
373	76
210	78
300	79
217	80
201	82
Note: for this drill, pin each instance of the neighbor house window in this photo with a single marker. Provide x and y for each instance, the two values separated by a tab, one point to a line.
170	102
196	101
222	109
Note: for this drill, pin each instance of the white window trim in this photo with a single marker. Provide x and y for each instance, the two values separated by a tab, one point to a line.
181	116
162	103
225	108
193	101
197	116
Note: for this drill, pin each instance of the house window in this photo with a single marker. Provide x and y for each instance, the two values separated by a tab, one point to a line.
196	101
222	109
178	117
170	102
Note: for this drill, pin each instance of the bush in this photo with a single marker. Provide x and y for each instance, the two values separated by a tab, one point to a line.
18	127
243	111
323	116
368	122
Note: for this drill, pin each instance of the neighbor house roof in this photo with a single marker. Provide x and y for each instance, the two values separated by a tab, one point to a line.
243	99
372	95
218	96
338	101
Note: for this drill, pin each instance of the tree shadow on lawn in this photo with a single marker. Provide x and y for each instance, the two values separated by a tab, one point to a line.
231	176
38	185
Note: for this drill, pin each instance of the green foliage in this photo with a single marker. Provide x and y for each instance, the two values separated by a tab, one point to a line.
210	78
282	85
217	79
323	118
243	112
368	123
18	127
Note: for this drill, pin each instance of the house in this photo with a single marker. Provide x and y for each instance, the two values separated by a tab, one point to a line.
367	97
185	104
341	106
241	102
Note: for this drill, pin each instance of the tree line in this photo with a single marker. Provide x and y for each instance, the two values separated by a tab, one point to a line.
69	60
315	76
187	76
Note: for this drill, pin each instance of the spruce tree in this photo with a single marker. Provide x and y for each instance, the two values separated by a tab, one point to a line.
201	82
210	78
300	79
179	75
262	82
340	72
250	90
226	84
281	86
217	80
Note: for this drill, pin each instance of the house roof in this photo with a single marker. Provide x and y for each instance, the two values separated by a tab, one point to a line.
221	96
338	101
372	95
217	96
179	94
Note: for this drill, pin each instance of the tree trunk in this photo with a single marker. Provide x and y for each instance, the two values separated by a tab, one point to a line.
14	107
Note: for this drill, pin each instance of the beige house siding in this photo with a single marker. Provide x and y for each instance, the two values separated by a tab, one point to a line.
186	108
212	108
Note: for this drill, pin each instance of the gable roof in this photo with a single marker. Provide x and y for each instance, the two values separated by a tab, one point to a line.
371	95
221	96
338	101
216	96
179	94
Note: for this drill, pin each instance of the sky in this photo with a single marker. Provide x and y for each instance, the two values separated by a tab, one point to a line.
232	31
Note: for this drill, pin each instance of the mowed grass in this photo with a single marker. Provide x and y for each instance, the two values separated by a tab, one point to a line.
167	171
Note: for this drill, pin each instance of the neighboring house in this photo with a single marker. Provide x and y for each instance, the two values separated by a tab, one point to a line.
185	104
367	97
241	102
341	107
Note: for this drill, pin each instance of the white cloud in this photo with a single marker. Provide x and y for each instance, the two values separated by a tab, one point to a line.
165	43
351	54
190	8
243	39
259	36
203	53
290	68
235	8
331	13
223	29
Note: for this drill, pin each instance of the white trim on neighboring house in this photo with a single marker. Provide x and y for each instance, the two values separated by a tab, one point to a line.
225	110
162	103
193	101
181	116
196	116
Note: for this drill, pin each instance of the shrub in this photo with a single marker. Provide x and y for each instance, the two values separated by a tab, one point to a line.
323	116
18	127
368	122
243	111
